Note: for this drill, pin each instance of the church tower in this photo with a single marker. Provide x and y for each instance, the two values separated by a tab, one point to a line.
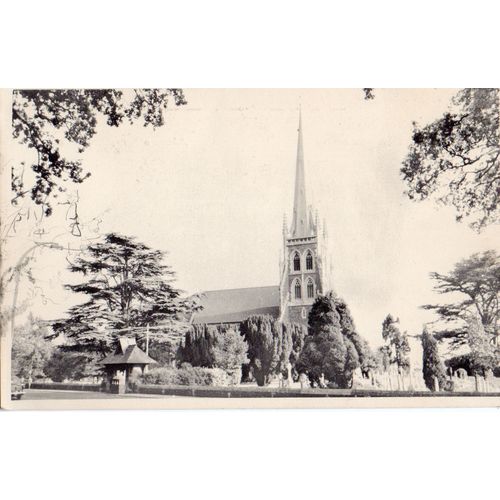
304	267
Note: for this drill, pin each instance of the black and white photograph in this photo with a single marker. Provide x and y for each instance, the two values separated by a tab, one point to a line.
237	247
229	269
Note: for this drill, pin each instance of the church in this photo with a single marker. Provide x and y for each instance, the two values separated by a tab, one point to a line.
304	269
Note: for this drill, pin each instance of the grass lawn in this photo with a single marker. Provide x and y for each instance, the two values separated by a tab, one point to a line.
43	394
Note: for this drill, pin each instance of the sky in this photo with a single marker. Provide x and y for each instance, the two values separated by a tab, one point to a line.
212	185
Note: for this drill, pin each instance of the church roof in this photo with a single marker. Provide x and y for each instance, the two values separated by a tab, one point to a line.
132	355
236	305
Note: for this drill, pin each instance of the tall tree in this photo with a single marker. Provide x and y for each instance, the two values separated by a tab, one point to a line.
398	346
365	356
197	346
331	348
298	333
456	159
477	280
55	123
325	354
30	349
264	337
484	357
129	287
432	366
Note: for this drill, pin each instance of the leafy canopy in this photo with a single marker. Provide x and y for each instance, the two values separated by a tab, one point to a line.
58	126
64	365
456	159
30	349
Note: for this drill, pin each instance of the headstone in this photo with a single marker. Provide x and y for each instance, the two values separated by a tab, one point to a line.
436	384
289	373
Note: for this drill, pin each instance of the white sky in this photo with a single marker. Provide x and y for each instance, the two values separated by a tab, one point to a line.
211	187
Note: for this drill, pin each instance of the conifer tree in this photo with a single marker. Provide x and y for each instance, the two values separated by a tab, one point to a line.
432	366
398	346
197	347
128	286
264	345
298	333
331	348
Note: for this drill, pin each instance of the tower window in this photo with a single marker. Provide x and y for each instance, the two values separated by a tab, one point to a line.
296	262
309	261
310	289
298	290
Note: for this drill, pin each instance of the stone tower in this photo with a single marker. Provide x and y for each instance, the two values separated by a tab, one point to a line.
304	267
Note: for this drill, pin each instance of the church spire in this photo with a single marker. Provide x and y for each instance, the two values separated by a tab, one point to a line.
300	223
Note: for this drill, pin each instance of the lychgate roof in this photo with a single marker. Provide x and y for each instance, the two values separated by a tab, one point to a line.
132	355
237	304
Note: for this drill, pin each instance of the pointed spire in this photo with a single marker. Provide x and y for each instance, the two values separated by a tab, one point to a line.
300	223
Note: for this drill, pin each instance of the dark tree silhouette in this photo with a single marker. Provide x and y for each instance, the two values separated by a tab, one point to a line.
432	366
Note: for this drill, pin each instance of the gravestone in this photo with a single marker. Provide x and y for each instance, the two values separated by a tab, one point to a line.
304	382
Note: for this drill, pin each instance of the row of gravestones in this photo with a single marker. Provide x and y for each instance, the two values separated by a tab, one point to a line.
412	382
393	381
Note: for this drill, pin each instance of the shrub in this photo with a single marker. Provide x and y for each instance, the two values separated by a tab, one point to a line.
229	350
189	376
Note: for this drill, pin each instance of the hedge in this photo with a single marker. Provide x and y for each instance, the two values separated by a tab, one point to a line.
190	375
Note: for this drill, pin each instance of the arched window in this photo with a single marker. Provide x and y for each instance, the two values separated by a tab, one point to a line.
309	260
310	288
298	290
296	262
